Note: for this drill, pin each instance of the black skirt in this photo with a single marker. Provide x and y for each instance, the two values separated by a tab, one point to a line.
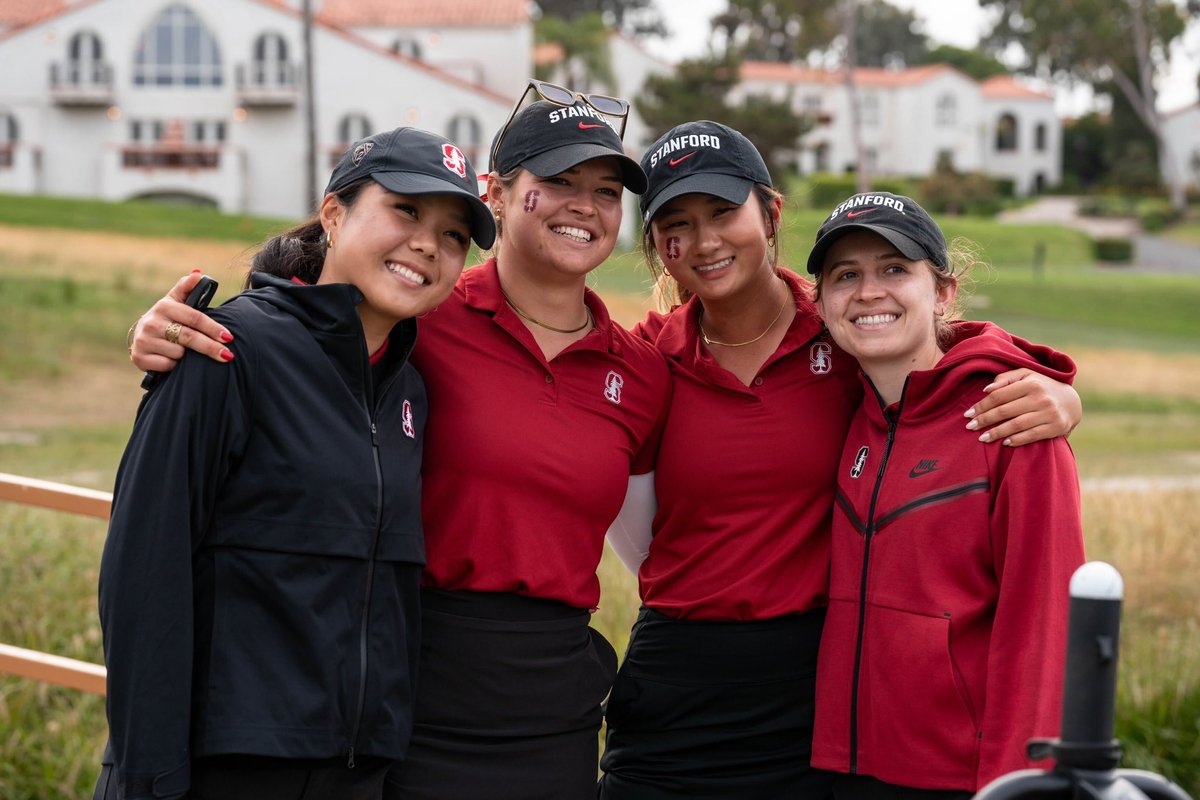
508	701
715	710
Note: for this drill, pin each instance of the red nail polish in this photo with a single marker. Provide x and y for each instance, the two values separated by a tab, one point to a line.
195	271
226	337
227	355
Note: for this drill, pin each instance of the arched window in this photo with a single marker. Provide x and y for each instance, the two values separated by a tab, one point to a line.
177	50
407	47
9	131
467	132
85	57
1006	132
353	127
947	110
1039	137
271	60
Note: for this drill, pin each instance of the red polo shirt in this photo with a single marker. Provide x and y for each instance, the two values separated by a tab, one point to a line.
526	461
746	474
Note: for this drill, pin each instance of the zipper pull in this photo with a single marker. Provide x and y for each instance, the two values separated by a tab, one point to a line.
374	443
350	761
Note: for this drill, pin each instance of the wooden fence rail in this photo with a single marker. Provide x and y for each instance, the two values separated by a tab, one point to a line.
32	664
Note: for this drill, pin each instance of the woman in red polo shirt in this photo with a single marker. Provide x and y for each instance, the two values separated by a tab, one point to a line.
715	696
541	408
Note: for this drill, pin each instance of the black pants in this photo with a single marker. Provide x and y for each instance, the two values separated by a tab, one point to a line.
864	787
715	710
262	778
508	701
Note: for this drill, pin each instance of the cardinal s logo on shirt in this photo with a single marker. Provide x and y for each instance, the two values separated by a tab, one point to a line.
820	358
612	387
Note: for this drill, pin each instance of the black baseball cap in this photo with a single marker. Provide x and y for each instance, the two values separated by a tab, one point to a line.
413	161
701	157
894	217
546	139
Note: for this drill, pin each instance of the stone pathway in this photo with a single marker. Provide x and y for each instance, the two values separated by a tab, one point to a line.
1150	253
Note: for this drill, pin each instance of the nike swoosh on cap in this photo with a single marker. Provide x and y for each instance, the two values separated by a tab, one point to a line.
675	162
853	214
584	127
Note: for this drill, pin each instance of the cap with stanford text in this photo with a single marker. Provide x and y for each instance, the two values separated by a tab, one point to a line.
702	157
894	217
546	139
414	162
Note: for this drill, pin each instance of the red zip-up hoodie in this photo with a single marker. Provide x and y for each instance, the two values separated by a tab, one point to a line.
944	645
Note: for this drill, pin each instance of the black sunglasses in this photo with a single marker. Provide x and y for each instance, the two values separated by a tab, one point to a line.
613	107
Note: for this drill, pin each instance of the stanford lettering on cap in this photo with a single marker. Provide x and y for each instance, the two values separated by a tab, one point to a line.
894	217
702	157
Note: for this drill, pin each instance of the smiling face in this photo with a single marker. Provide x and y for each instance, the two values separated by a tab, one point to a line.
565	223
880	306
714	248
403	252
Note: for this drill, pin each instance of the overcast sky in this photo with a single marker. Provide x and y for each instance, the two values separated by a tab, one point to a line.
956	22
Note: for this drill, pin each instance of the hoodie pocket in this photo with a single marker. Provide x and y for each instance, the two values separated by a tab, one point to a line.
913	708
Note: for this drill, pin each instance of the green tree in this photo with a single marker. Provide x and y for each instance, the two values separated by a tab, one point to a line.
698	90
1122	42
584	41
632	16
976	63
794	30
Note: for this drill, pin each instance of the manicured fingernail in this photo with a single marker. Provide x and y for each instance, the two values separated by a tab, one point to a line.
989	387
226	337
196	270
985	437
1007	443
973	425
227	354
970	412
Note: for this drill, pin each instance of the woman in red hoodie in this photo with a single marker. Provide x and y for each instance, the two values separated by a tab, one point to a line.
943	647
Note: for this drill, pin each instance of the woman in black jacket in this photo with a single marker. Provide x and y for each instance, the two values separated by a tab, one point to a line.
265	546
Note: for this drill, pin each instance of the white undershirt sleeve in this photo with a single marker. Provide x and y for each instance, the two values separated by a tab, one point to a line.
630	533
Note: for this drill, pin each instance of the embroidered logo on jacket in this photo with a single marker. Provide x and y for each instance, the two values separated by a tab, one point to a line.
820	358
924	467
407	416
860	461
612	387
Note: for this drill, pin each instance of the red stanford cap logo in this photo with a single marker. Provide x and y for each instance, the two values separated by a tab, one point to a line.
454	160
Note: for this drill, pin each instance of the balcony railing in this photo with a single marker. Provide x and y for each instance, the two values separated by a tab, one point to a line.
267	84
81	83
177	157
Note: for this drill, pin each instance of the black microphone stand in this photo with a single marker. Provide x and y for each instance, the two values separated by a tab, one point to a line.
1086	756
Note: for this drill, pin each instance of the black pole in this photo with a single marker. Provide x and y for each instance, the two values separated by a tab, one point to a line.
310	112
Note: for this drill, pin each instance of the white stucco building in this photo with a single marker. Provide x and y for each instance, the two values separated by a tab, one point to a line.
1182	130
119	99
912	117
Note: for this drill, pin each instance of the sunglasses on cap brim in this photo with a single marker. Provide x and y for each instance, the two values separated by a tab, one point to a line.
611	107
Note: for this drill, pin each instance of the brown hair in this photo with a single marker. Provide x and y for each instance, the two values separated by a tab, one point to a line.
300	252
667	292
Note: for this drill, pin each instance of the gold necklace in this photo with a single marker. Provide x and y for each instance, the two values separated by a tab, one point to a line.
587	322
770	325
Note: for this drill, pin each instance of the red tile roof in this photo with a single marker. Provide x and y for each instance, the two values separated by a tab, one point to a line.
20	12
409	13
863	76
1006	87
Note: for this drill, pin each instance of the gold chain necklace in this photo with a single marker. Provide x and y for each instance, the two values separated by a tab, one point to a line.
770	325
587	322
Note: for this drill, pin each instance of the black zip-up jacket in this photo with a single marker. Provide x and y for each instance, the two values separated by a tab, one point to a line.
259	583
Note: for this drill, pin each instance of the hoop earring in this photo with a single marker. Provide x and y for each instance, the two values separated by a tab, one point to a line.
329	241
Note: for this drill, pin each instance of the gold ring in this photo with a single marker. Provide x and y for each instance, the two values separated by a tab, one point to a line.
171	332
